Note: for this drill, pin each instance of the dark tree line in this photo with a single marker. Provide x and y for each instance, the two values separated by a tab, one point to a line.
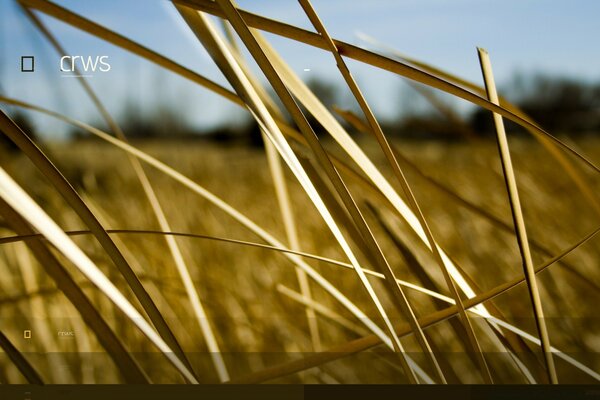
559	105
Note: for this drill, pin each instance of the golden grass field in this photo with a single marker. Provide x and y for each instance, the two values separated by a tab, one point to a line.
255	322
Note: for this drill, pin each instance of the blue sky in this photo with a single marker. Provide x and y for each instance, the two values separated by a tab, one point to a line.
526	36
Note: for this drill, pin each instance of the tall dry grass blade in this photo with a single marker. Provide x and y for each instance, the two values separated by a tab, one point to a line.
254	48
156	208
391	158
517	214
19	238
233	72
107	338
280	185
65	189
20	361
20	201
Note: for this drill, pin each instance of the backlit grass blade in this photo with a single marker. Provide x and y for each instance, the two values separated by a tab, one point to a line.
517	214
280	185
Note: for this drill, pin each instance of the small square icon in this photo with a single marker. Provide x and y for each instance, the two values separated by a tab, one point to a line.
27	64
27	334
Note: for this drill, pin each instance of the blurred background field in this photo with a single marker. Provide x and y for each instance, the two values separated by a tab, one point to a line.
255	322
